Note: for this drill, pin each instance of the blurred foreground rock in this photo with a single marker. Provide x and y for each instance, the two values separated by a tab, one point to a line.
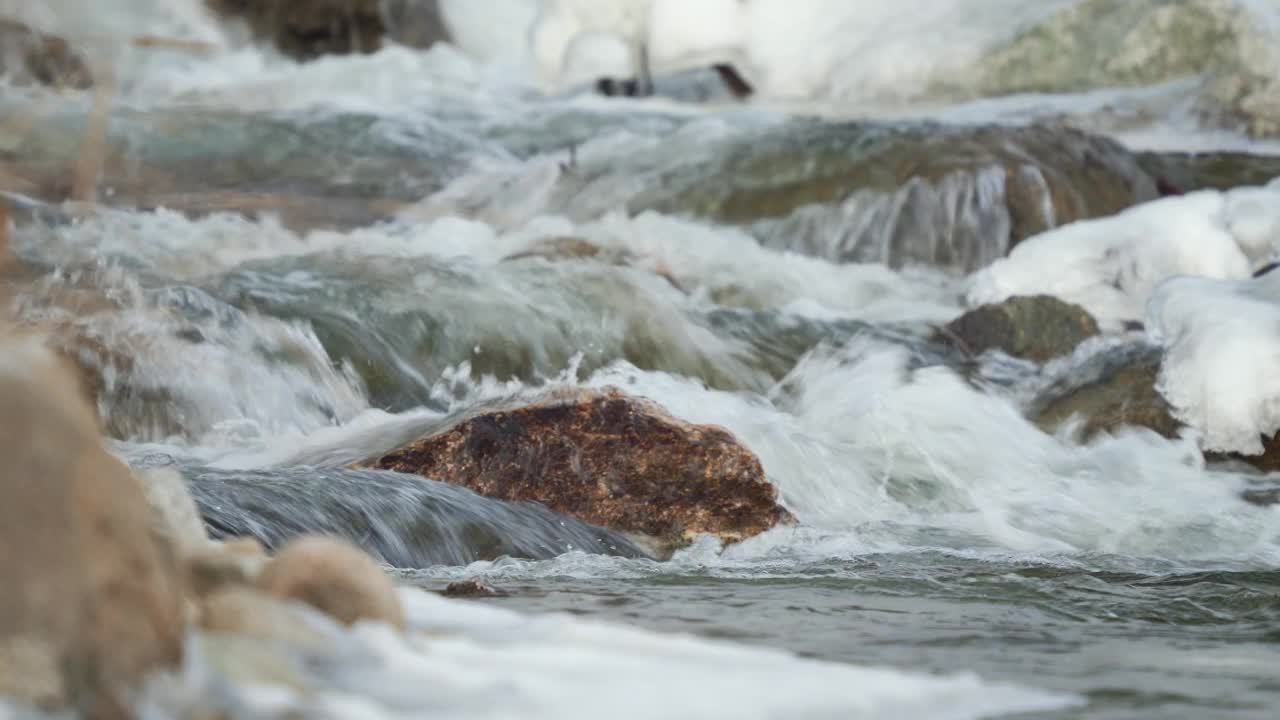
93	595
334	577
613	460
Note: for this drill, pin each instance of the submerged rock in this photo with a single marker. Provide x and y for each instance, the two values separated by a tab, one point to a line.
94	597
29	57
1033	327
1121	393
469	589
956	197
607	458
564	248
1189	172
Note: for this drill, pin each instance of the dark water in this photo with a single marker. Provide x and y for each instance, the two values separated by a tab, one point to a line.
1136	645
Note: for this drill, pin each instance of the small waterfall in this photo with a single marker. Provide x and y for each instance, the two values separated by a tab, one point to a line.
961	220
405	520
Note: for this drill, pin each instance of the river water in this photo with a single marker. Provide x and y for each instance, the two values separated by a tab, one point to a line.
774	267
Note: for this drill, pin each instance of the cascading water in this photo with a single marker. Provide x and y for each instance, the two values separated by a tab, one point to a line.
295	267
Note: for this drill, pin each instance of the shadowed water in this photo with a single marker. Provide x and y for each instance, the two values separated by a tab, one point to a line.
403	519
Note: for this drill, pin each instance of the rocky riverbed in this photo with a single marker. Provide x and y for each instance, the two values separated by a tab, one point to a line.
362	361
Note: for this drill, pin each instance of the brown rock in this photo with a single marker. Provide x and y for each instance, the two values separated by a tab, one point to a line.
306	29
1037	328
469	589
609	459
334	577
90	588
30	57
1127	397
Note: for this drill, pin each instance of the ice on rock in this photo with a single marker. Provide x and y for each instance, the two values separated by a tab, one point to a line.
1111	265
1222	354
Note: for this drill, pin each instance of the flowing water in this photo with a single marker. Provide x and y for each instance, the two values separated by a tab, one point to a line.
774	267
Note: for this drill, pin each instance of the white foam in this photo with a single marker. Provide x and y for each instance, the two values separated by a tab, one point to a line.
1222	348
878	458
556	666
1111	265
863	48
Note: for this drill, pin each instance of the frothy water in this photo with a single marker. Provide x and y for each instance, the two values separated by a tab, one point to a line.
451	226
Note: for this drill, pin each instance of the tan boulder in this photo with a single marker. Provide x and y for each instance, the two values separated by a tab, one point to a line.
174	512
230	563
92	592
254	614
613	460
334	577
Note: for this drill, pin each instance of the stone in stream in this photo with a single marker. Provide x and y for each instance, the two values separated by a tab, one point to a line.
308	29
469	589
949	196
30	57
1211	170
617	461
1120	391
1037	328
93	598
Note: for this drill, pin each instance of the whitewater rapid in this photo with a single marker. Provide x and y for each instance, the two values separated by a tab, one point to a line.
320	347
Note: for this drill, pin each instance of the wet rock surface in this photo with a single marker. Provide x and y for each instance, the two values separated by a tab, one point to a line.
470	589
1188	172
28	57
1037	328
306	29
1123	394
607	458
861	192
1118	391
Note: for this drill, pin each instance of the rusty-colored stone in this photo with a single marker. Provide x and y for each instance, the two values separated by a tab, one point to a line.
610	459
469	589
